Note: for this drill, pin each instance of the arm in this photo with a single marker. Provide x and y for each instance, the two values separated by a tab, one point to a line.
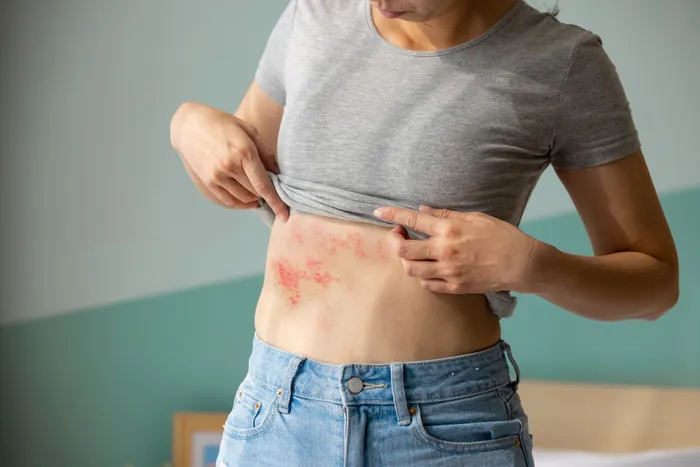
595	151
634	273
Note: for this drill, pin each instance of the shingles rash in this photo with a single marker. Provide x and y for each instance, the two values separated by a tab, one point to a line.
290	277
354	242
335	243
317	230
317	274
381	251
296	233
357	242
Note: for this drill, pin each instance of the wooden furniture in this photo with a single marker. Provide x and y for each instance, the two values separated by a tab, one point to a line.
185	426
611	418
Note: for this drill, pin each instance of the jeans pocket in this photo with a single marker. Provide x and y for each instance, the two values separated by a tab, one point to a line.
468	425
245	410
254	410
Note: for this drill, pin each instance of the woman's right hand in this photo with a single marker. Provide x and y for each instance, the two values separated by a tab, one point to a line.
226	158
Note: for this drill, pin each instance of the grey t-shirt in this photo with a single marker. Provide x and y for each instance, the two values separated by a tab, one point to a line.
469	128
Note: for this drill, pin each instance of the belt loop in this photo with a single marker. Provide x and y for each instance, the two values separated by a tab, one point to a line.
509	352
287	381
399	394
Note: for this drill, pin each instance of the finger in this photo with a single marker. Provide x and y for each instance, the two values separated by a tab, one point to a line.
227	198
241	179
439	286
415	220
439	213
422	269
267	155
396	236
400	231
237	190
261	183
417	250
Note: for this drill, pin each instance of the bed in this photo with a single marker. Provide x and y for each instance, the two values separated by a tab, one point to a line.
612	425
573	425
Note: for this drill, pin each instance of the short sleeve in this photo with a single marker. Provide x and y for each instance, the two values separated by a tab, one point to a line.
271	68
594	123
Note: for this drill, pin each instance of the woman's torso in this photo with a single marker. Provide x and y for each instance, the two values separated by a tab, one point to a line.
368	125
335	292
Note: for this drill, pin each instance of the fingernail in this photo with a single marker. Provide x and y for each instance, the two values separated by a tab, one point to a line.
379	212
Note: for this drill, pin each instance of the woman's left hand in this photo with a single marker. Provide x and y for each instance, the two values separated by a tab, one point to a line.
468	252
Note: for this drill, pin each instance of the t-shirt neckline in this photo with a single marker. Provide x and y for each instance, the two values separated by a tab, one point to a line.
436	53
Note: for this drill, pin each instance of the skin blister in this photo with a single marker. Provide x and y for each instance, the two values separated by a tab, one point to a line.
303	277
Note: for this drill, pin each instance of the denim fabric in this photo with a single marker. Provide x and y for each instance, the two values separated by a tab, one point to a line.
290	411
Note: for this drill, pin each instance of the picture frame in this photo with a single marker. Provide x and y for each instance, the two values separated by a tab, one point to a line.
196	438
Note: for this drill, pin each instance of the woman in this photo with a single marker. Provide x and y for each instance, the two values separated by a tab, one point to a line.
377	333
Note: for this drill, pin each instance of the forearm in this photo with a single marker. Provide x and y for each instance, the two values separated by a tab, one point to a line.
619	286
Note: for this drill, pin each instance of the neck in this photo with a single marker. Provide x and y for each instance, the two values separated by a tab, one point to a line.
455	24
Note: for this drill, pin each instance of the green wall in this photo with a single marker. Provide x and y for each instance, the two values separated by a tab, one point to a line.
97	388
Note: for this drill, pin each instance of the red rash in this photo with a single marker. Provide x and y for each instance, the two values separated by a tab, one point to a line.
318	276
358	241
381	249
353	242
297	234
289	277
337	243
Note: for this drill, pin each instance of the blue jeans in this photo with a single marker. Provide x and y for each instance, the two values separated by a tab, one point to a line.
290	411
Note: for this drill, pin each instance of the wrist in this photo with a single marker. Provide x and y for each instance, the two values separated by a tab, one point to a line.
536	275
182	116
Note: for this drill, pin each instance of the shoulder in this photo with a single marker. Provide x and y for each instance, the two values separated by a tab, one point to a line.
551	40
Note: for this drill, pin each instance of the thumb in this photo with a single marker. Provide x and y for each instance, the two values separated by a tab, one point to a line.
400	231
268	158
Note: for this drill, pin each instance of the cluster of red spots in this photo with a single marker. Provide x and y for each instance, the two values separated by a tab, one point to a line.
336	242
353	242
381	250
317	229
317	275
297	234
358	242
289	277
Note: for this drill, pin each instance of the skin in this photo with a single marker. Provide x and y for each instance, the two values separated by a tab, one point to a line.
434	25
340	291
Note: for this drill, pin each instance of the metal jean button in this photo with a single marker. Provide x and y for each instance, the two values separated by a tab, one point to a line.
355	385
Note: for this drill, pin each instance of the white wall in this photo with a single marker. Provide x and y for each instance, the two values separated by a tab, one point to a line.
96	207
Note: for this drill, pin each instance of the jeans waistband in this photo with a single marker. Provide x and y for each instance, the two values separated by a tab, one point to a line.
399	383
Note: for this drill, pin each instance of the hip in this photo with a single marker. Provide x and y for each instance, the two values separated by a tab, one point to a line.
293	411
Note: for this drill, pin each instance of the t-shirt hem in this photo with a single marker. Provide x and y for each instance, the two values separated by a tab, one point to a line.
273	91
600	156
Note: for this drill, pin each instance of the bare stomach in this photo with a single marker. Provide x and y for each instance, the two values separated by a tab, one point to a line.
334	291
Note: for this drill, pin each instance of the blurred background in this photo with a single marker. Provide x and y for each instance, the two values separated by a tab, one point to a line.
126	296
